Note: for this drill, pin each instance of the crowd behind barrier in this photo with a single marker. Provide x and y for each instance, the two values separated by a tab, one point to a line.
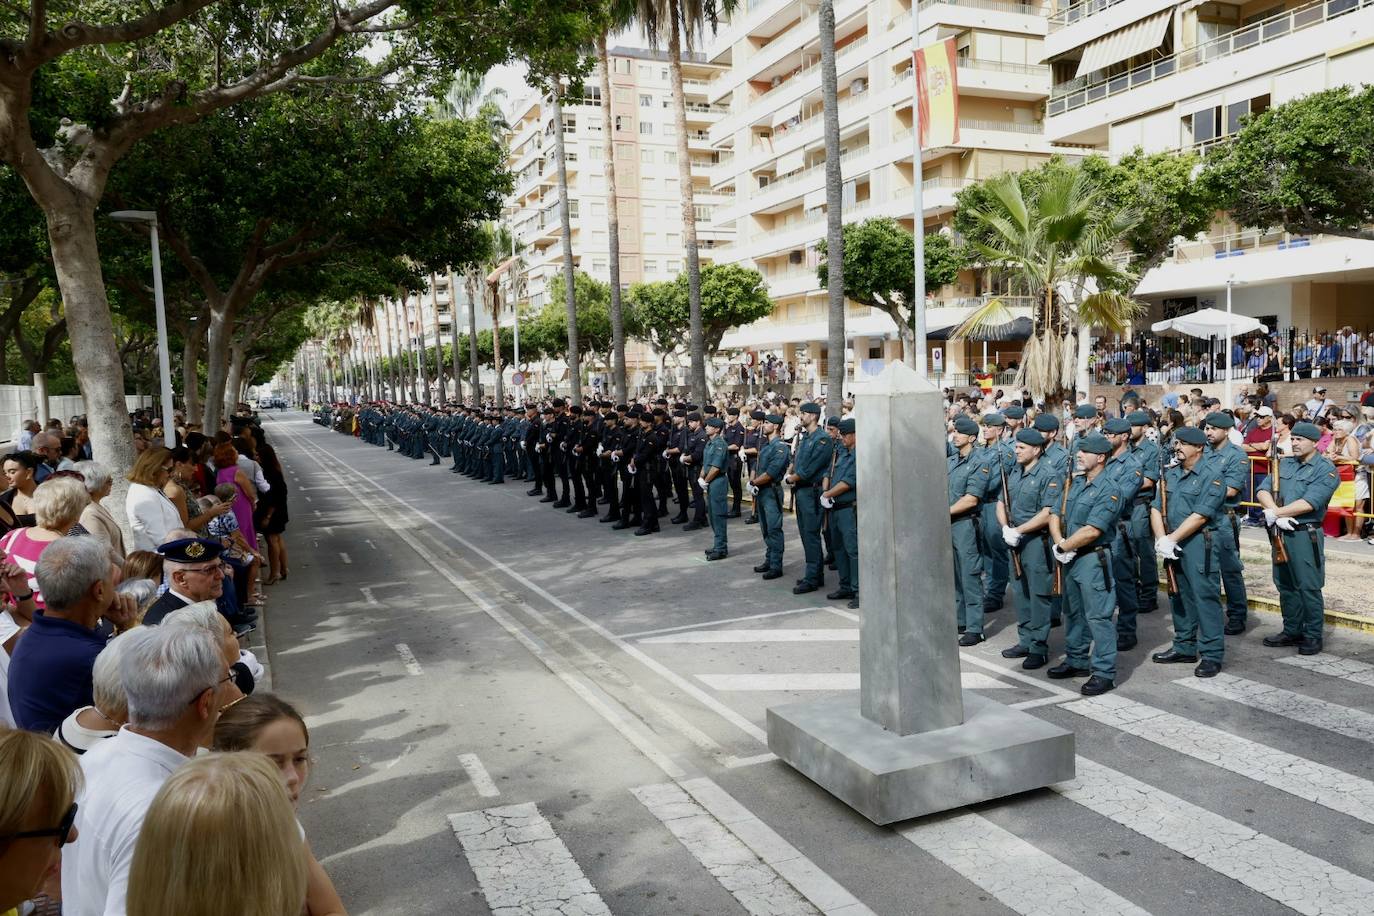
140	769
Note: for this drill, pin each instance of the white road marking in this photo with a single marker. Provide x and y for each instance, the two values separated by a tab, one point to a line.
716	623
1334	666
1306	779
317	511
741	636
367	593
347	560
308	499
521	864
825	680
1353	723
732	763
1290	876
408	658
478	776
1005	865
368	542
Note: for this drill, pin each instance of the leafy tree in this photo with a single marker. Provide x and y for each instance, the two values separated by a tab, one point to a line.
594	332
1306	165
877	264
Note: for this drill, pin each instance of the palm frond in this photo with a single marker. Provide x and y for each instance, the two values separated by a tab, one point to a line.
985	320
1109	310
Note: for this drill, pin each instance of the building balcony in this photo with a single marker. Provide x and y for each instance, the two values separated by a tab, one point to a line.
999	79
1028	17
1079	107
1090	20
1255	257
795	282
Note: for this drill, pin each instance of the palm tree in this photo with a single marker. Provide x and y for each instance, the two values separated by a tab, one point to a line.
1058	247
620	14
683	21
565	219
834	219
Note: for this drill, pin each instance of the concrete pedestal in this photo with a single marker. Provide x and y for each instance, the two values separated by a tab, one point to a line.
997	751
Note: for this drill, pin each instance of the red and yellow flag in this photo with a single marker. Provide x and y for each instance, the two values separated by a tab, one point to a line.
937	94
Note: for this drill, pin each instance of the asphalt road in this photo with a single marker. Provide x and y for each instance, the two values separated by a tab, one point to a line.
513	710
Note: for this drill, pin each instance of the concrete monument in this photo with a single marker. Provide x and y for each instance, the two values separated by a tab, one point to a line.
916	743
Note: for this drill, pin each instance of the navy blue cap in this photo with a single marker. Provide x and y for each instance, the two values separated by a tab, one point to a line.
811	407
190	550
994	419
1139	418
773	418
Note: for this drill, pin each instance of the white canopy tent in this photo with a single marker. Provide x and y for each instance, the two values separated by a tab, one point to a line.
1213	323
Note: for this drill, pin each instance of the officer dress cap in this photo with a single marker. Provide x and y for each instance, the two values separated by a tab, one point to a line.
558	402
732	411
1307	431
1085	412
715	422
190	550
1117	426
691	407
1030	437
1138	418
811	407
1095	444
1220	420
775	418
576	410
612	416
832	421
621	408
709	409
965	426
757	415
1015	412
693	416
661	402
1046	423
994	419
660	412
679	413
1191	435
549	410
847	426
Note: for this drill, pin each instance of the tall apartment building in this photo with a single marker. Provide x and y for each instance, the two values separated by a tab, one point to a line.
644	143
771	149
1167	75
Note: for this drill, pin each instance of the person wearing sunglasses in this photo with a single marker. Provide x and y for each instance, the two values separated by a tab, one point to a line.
37	812
177	680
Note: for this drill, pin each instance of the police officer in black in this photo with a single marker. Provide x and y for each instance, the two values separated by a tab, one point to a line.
734	442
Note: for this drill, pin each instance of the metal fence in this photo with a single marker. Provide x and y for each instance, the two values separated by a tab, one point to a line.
1285	354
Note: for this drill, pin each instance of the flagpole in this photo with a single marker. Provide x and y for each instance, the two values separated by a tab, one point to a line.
918	304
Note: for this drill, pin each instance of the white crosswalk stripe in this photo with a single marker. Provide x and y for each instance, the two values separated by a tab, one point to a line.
1353	723
1286	772
823	680
1287	875
834	634
1349	669
1005	866
522	865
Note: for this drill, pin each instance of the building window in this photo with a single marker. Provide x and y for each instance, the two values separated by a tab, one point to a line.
646	155
650	267
624	151
569	124
674	268
674	240
645	128
600	239
598	208
621	65
623	95
647	182
650	240
598	267
646	70
622	123
595	152
663	74
670	157
646	101
670	130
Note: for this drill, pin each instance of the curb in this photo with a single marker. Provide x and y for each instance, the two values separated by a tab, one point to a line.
1338	619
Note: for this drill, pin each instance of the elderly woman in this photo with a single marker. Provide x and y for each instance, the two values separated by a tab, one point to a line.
16	509
36	810
57	505
151	513
95	518
1344	452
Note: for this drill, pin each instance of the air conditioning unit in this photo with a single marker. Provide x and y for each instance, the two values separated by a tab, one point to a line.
777	81
794	257
858	87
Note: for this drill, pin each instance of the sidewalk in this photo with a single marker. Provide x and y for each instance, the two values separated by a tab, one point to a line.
1348	579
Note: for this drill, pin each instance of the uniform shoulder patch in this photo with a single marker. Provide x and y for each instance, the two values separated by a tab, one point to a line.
1114	497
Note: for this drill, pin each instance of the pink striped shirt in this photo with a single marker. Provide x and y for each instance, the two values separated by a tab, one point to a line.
23	551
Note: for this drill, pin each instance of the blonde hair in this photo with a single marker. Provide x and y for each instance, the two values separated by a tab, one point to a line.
220	839
37	769
58	503
147	465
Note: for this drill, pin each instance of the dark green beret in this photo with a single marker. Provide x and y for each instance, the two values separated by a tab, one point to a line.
1095	444
1085	412
1307	431
1139	418
775	418
965	426
1221	420
715	422
1117	426
832	421
994	419
811	407
847	426
1191	435
1046	423
1015	412
1030	437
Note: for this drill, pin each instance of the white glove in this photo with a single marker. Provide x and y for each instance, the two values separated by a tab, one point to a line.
665	453
827	502
600	450
1063	556
701	482
615	458
1167	548
1011	535
753	490
1287	523
548	437
1270	517
683	459
631	470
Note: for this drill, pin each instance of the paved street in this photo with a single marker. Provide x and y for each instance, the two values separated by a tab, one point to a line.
514	710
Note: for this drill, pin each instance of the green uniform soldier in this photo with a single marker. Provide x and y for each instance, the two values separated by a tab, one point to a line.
832	431
1047	424
1123	465
1234	469
1032	486
1306	483
809	464
998	453
1185	538
839	498
715	472
1147	455
765	486
1082	528
968	484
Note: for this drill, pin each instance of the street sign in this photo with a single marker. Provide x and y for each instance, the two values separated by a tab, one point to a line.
937	360
518	379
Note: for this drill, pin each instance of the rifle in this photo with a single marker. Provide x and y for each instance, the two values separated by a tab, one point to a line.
1169	574
1275	539
1006	507
1063	513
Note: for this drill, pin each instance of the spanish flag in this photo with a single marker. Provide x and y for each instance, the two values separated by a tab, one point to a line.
937	94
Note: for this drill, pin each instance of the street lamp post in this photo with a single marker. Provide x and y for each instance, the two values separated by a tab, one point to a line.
164	361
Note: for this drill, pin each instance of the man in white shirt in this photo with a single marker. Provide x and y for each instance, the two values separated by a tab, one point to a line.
1319	403
177	680
25	440
1349	342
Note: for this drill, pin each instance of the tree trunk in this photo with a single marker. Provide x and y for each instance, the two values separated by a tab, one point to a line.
191	339
441	384
238	356
613	217
216	365
453	336
1081	360
496	343
696	338
661	364
834	219
565	217
407	346
421	354
474	284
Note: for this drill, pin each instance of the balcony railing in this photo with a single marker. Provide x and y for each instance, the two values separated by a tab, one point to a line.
1001	66
1027	8
1015	127
1082	91
1080	11
809	68
812	170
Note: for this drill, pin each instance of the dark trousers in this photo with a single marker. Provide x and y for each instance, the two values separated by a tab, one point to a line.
679	475
578	484
733	475
648	506
698	499
546	463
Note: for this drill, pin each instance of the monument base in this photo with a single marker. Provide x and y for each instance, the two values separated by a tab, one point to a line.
998	751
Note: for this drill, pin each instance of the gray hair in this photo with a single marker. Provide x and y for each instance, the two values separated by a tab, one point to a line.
68	567
164	669
96	474
203	615
107	686
58	503
143	591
